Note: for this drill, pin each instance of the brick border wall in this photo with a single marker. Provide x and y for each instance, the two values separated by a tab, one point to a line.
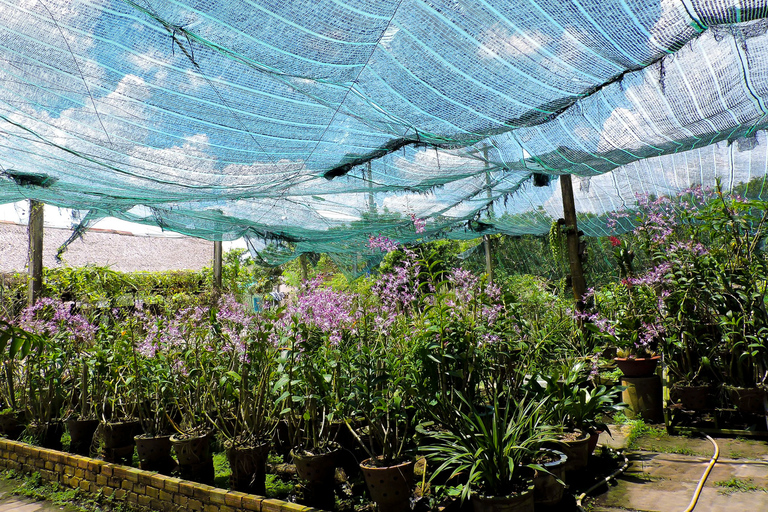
135	486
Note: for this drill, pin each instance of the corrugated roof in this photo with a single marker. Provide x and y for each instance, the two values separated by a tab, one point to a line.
116	249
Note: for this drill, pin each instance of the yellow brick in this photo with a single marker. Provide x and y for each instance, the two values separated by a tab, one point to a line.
271	506
74	482
234	499
132	497
186	488
180	500
85	485
144	500
107	469
210	508
152	492
251	502
166	496
132	474
195	505
295	507
174	485
127	485
101	480
217	496
202	491
79	473
49	465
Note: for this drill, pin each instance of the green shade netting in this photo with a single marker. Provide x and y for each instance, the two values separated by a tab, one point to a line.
310	125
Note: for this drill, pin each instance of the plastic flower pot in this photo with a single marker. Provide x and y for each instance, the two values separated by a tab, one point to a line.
249	468
637	366
518	502
390	486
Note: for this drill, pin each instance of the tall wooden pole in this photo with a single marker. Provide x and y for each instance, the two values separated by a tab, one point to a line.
487	238
578	282
35	231
218	257
303	263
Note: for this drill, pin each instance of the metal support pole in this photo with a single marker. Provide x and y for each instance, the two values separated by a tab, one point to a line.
578	282
35	231
218	258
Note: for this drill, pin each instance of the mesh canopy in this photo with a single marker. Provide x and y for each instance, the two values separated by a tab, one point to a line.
309	125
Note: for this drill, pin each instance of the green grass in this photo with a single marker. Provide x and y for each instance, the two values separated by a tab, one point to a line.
735	485
34	487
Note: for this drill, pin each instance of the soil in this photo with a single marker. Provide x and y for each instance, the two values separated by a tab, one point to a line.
380	462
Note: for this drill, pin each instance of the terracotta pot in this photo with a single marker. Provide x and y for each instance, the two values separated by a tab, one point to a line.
547	490
522	502
81	435
594	437
155	453
577	450
194	456
749	400
249	468
637	366
390	487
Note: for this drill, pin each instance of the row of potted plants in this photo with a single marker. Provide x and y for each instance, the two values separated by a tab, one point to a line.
418	361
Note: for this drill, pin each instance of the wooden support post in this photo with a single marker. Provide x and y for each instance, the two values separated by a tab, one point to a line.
218	258
572	233
303	262
35	231
488	264
487	238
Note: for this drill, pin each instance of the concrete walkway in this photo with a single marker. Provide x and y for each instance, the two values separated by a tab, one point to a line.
10	503
666	482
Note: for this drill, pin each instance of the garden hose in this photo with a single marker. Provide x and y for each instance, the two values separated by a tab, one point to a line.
601	482
699	487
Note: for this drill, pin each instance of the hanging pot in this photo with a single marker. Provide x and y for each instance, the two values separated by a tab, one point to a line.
637	366
81	435
519	502
249	468
390	486
155	453
547	489
193	452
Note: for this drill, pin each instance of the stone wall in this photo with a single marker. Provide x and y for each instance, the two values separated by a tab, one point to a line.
135	486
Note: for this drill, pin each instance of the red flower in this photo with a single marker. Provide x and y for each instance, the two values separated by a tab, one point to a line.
615	242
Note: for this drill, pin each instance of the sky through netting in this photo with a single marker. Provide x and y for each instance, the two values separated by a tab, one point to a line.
309	126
